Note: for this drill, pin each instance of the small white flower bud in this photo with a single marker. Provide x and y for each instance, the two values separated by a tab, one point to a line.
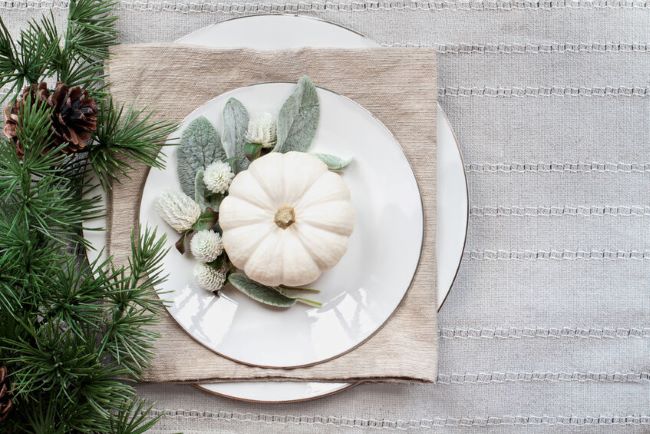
209	278
262	130
218	176
178	210
206	246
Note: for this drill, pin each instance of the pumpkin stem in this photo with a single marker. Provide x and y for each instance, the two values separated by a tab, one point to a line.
285	217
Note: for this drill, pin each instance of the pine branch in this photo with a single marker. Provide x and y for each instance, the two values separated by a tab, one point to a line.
132	419
8	59
134	302
12	242
42	52
29	60
124	136
69	329
91	29
34	131
52	358
59	353
36	54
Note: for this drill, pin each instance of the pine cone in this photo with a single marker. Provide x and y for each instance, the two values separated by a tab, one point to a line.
38	92
74	116
5	395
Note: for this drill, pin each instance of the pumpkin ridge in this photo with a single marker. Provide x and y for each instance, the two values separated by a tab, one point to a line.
254	257
300	161
299	205
326	226
241	186
268	213
313	256
256	246
341	195
227	238
262	182
296	236
320	262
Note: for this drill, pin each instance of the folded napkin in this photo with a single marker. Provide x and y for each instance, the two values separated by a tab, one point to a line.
397	85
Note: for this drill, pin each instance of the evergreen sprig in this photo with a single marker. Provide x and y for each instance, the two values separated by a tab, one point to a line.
75	58
69	329
72	333
125	135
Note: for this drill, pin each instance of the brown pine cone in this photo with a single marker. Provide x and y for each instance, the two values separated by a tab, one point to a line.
74	115
74	118
38	92
5	395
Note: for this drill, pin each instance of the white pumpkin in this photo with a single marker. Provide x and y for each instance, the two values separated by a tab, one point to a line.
286	219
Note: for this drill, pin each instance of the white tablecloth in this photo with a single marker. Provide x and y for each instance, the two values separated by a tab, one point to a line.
548	325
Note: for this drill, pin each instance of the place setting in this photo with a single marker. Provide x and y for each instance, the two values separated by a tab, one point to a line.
260	310
250	215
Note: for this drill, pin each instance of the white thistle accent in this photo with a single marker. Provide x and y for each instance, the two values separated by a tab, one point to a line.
262	130
209	278
206	246
178	210
218	176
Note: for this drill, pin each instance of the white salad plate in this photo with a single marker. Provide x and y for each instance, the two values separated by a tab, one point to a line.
358	294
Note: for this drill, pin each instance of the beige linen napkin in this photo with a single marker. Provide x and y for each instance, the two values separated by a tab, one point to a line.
397	85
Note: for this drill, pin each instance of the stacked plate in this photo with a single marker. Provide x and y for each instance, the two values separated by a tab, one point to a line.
361	292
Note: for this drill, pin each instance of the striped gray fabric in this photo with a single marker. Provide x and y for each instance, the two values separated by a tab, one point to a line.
546	328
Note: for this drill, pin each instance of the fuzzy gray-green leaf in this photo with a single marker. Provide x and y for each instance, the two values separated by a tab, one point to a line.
298	295
200	146
259	292
298	118
235	126
207	220
333	162
199	189
203	196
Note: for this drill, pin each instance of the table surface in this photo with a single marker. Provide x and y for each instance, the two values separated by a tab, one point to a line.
548	325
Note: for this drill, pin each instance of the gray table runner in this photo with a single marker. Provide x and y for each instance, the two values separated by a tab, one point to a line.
547	328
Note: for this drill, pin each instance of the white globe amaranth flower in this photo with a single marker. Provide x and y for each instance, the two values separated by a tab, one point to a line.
209	278
206	245
178	210
262	130
218	176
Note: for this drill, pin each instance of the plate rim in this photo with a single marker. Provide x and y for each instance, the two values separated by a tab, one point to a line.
462	162
343	388
294	15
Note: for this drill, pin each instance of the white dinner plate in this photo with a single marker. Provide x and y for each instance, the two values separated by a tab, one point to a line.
278	32
358	294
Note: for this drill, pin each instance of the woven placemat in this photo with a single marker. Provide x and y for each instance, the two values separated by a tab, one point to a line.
397	85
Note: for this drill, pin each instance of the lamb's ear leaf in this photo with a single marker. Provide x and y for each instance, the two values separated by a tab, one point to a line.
204	197
199	189
207	220
333	162
252	151
298	118
200	146
297	294
235	126
258	292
